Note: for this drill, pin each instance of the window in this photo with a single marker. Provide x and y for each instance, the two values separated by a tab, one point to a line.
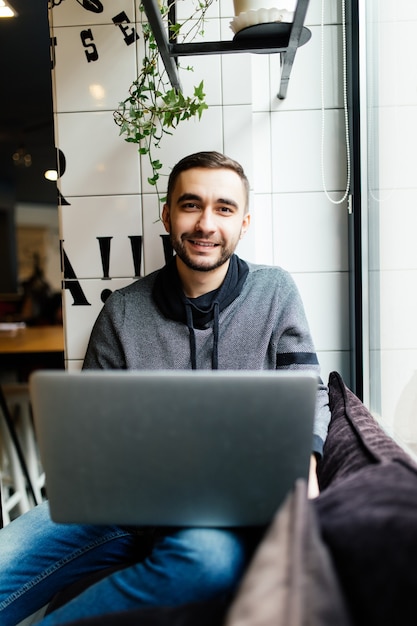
388	88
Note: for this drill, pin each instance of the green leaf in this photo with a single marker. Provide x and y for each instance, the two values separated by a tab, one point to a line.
153	180
198	91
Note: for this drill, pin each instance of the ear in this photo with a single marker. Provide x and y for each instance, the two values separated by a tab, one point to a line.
245	225
165	217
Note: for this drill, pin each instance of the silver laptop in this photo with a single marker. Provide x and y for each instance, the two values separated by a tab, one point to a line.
172	448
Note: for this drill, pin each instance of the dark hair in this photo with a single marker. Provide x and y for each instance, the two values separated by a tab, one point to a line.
209	160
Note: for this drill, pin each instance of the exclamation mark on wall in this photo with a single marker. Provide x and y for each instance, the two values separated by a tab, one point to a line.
168	249
104	243
136	246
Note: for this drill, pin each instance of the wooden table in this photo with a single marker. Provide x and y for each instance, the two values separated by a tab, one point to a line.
30	348
32	339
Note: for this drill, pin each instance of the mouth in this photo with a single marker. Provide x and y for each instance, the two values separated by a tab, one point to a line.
203	244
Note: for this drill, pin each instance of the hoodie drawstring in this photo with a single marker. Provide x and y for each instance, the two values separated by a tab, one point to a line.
190	325
191	330
215	354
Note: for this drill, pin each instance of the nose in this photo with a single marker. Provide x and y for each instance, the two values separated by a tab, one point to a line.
206	222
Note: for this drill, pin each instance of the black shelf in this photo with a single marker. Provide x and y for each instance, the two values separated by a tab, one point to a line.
283	38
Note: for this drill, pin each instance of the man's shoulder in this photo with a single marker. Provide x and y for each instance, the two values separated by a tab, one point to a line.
142	284
265	281
266	272
140	288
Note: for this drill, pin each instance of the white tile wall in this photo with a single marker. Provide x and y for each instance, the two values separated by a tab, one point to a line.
98	161
237	136
335	361
185	9
278	144
326	301
260	229
309	233
191	136
305	89
325	297
261	88
236	79
262	152
153	230
83	79
74	14
295	217
114	218
296	151
206	69
332	12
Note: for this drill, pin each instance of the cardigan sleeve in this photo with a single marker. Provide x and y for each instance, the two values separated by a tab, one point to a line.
295	350
105	350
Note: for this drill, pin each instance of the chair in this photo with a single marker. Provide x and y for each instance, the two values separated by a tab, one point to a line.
21	476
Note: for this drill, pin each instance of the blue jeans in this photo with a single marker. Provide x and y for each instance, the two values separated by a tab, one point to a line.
38	558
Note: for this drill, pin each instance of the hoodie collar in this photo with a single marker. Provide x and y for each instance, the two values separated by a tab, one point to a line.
198	312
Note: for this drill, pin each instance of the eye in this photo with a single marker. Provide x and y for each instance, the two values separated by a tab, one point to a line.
225	209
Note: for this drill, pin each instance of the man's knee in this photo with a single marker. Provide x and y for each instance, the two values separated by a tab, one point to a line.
218	556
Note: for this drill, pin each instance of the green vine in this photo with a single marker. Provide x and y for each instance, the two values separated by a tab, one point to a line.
154	108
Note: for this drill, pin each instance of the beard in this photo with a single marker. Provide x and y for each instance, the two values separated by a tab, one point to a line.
201	265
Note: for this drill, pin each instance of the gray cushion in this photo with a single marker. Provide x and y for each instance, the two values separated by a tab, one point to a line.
291	578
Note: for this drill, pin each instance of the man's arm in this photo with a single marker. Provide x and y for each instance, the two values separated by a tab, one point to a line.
295	350
105	350
313	484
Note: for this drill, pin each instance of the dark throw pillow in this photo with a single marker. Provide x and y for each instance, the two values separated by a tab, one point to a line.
367	513
369	523
355	439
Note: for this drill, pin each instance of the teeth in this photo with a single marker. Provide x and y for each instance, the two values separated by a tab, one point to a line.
204	244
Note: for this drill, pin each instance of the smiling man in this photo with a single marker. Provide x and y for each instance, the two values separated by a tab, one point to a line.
206	215
206	309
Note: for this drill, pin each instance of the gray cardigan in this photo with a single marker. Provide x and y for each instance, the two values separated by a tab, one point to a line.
263	328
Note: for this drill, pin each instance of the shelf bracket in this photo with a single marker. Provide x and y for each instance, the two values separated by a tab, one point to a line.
287	59
281	37
155	21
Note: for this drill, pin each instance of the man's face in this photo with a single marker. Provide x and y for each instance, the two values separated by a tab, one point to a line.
206	217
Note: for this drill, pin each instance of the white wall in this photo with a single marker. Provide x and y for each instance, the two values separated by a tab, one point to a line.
300	228
277	142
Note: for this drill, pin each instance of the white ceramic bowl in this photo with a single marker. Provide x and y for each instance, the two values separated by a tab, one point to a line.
260	16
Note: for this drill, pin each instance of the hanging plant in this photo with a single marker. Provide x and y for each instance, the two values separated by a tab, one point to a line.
154	108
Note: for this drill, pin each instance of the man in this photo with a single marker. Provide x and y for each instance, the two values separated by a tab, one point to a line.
206	309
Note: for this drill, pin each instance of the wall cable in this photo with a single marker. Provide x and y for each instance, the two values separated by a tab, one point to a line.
345	106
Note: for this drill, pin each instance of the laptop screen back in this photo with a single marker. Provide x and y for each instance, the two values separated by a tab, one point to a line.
172	448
